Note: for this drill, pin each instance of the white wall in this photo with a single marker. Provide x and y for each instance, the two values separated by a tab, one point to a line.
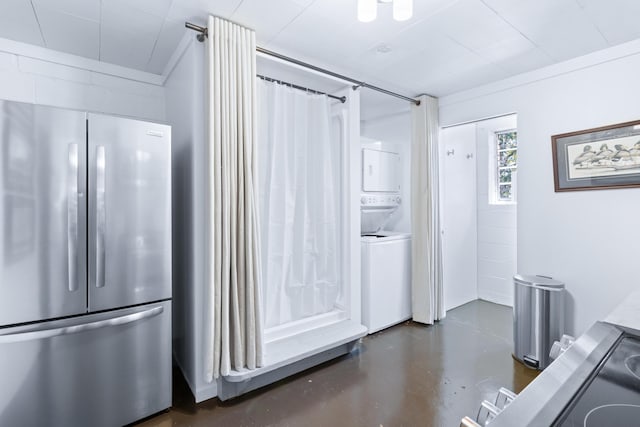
458	183
586	239
185	109
185	114
395	130
497	251
42	76
479	240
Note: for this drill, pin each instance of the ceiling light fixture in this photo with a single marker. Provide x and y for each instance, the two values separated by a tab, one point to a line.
402	9
368	9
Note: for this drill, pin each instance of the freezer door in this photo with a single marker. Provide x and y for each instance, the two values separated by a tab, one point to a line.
42	213
106	369
129	212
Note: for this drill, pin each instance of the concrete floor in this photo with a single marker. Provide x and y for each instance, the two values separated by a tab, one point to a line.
407	375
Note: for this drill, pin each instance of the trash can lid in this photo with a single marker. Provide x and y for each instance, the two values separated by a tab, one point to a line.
527	279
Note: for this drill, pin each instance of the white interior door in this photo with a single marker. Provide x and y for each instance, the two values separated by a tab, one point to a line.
459	200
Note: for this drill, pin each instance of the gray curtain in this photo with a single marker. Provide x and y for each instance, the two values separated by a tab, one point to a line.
235	339
426	242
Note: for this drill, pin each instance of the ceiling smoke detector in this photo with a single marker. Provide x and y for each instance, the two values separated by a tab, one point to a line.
368	9
383	48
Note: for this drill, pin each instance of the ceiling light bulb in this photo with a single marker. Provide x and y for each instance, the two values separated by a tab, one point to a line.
402	9
367	10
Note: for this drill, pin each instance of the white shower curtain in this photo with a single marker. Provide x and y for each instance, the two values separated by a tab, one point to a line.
426	242
299	167
234	337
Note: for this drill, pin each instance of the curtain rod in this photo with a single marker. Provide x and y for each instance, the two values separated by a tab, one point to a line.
204	32
342	99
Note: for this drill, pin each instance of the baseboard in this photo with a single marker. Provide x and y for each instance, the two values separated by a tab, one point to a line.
460	302
206	392
294	354
228	390
202	393
284	358
497	298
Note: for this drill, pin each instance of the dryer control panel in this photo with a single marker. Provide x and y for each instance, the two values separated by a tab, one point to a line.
368	200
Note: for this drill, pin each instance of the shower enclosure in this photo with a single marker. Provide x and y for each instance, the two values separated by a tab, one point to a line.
302	190
293	345
309	183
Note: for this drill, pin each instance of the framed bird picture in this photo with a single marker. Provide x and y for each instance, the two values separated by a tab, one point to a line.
597	159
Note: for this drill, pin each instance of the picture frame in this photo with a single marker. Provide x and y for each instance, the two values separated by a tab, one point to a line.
601	158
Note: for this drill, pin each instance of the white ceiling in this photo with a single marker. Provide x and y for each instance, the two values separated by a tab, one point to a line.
449	45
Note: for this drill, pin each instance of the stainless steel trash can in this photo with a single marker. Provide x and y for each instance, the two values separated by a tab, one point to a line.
538	318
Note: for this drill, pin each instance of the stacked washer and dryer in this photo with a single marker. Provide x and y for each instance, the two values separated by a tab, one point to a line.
386	254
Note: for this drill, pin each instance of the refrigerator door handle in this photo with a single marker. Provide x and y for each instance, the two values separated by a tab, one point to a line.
76	329
100	215
72	218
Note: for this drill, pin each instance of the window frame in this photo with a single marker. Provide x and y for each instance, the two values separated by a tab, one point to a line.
496	194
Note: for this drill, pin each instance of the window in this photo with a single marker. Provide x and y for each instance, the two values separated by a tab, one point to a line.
506	143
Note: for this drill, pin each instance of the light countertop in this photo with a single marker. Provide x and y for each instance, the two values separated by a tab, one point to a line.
627	314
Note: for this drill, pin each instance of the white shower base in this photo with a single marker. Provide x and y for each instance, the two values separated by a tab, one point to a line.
303	325
292	354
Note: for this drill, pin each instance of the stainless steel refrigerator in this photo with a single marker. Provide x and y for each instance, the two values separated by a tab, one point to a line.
85	267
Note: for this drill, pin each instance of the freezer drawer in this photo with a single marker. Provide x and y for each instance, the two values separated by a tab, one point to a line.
106	369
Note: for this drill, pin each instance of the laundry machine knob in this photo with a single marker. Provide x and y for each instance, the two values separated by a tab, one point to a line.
398	200
363	200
